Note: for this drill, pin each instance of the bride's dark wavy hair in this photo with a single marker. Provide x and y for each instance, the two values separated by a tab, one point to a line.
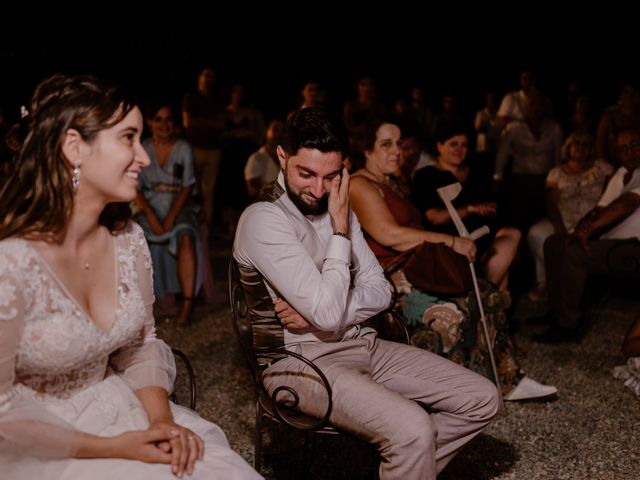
38	196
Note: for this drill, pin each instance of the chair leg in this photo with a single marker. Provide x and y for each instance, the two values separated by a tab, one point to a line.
257	461
309	446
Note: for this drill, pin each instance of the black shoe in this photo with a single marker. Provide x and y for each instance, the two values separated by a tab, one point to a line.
548	318
557	334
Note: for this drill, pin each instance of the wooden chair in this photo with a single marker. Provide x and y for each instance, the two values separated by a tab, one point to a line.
191	385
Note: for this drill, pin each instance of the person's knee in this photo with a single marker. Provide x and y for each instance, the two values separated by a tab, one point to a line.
487	398
534	237
507	240
514	234
414	430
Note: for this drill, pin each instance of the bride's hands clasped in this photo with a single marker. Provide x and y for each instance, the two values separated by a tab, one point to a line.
184	446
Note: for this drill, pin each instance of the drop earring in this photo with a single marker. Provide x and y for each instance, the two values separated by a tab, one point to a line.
75	177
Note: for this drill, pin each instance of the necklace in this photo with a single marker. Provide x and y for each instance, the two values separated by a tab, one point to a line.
393	183
376	177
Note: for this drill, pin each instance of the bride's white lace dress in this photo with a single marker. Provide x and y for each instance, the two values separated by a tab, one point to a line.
60	373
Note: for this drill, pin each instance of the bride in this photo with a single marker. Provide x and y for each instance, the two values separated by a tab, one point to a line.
83	378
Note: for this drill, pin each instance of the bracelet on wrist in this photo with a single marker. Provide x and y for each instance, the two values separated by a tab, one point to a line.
342	234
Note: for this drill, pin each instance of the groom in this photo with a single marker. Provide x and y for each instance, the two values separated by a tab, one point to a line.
304	245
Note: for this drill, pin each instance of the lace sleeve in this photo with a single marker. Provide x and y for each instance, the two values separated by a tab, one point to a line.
25	426
148	361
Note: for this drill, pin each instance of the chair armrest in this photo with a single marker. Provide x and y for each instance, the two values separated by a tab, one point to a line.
193	384
287	411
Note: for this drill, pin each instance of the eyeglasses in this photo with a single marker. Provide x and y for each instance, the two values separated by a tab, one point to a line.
629	147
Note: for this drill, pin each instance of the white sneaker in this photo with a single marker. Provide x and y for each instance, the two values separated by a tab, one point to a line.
529	389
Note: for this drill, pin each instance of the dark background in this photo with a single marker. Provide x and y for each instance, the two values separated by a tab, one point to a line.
160	46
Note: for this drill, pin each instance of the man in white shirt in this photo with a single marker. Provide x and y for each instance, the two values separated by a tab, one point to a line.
304	245
512	106
534	144
262	166
569	260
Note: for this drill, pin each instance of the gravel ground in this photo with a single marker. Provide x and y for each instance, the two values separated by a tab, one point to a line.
592	431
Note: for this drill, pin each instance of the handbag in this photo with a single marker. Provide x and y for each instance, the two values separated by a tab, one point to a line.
436	269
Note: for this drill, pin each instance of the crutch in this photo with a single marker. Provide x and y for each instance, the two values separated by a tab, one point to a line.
447	194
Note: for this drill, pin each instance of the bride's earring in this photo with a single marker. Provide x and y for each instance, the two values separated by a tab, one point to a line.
75	177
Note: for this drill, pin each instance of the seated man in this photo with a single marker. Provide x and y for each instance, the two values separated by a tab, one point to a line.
305	246
569	259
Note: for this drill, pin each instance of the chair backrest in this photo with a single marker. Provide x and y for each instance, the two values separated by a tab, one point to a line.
241	321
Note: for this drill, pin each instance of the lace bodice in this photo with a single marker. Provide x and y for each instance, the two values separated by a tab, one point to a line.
50	349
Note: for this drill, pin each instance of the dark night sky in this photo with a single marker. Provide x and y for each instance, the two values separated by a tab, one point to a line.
447	50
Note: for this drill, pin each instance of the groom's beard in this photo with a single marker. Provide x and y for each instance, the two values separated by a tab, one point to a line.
317	208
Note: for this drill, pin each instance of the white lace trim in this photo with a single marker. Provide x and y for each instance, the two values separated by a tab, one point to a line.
7	292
